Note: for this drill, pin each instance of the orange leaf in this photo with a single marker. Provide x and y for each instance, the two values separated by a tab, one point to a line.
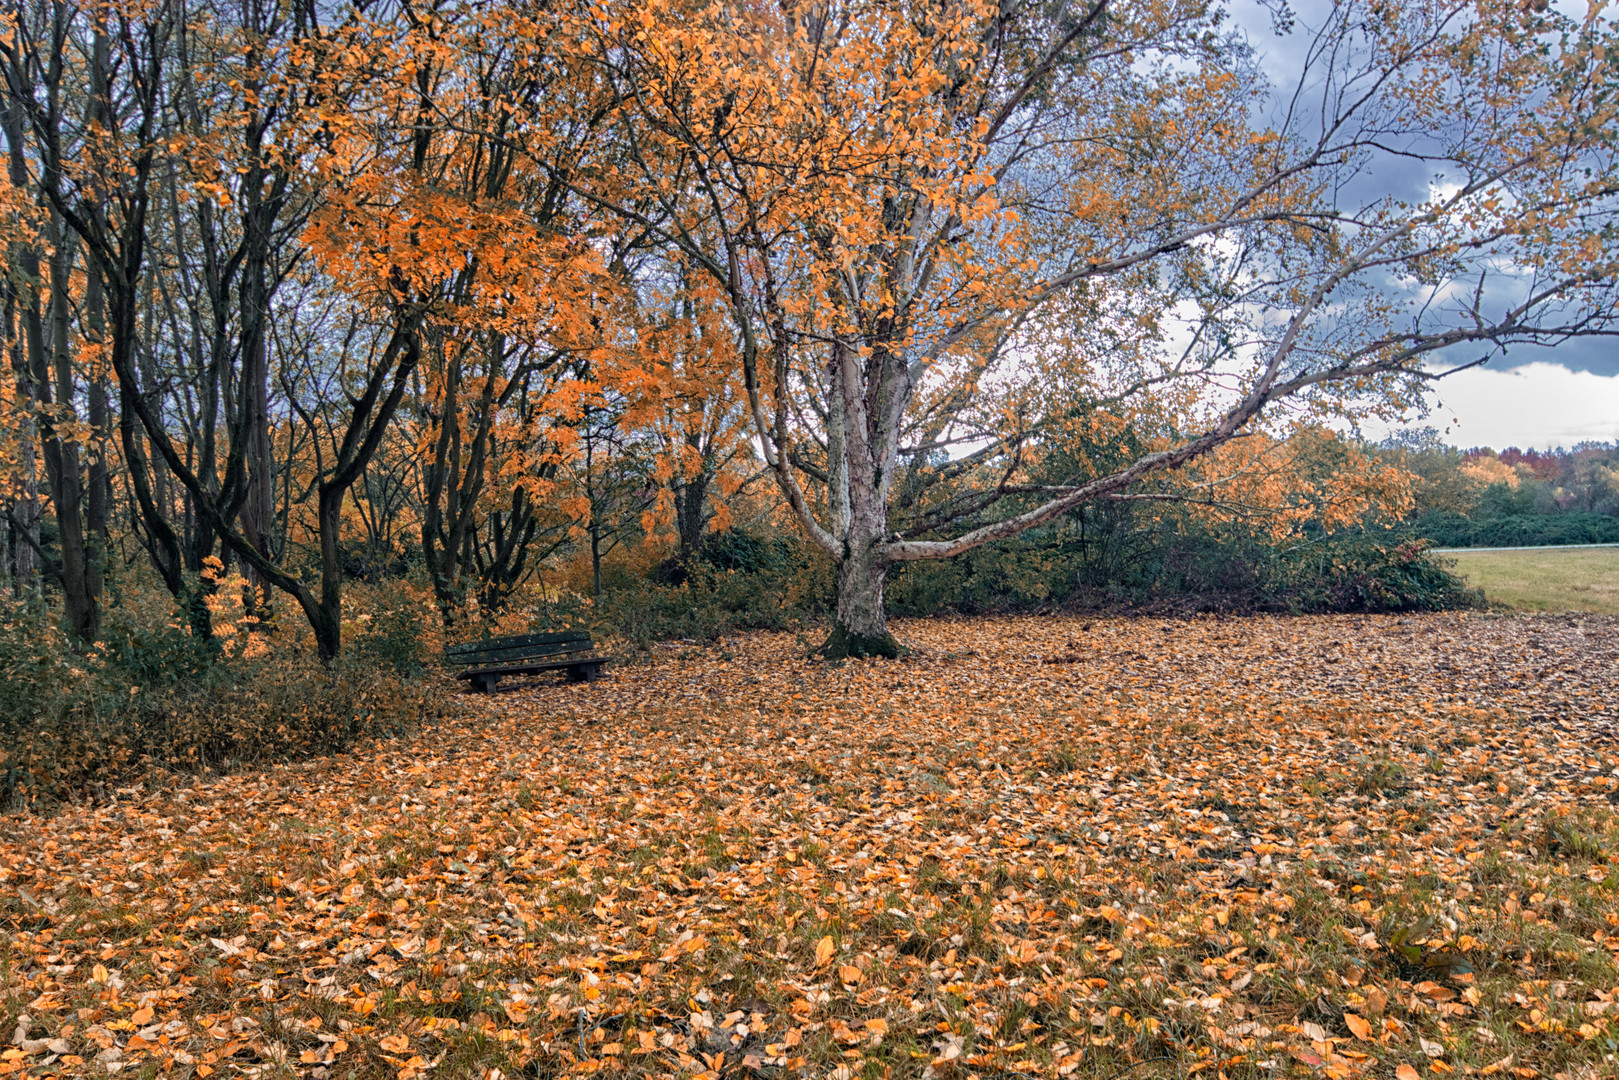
824	950
850	974
1358	1025
1406	1072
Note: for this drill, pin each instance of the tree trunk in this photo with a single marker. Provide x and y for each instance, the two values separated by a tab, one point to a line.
24	512
81	580
258	506
859	628
442	542
859	454
98	470
327	620
48	368
595	559
691	518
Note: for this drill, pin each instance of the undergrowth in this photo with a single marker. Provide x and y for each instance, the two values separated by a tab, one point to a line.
148	699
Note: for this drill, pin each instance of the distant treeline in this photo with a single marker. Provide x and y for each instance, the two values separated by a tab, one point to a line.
1518	530
1510	498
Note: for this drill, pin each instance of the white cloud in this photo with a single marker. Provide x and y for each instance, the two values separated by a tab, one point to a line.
1538	405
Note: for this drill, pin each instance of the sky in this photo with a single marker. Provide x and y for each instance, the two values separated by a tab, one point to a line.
1532	397
1539	404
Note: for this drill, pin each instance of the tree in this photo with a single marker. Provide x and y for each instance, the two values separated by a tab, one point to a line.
612	471
685	353
230	129
904	204
36	111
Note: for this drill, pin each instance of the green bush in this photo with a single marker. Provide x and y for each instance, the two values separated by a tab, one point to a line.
1359	572
393	638
1517	530
150	699
1102	560
1165	568
793	585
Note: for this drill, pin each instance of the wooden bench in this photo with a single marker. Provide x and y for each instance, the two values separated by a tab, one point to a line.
490	660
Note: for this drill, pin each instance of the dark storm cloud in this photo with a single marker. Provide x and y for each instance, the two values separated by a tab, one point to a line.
1280	34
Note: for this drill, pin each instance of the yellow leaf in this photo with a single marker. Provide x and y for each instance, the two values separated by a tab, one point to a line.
879	1027
824	950
394	1044
99	973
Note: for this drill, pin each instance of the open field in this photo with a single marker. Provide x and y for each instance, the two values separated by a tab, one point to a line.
1039	847
1545	579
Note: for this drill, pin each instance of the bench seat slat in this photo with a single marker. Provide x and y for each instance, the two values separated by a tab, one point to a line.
530	669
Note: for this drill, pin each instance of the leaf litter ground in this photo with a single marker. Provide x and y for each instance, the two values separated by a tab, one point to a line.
1036	847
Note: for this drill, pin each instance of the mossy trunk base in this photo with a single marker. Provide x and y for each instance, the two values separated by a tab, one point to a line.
844	644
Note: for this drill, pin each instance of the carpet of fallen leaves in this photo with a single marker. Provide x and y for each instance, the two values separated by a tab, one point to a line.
1037	847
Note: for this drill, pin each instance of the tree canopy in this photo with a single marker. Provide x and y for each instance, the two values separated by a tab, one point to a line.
563	271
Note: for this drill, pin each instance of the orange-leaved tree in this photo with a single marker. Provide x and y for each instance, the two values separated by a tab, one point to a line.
903	204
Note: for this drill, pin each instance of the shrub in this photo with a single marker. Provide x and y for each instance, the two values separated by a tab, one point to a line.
1198	570
149	698
1357	572
1099	559
712	602
399	629
1517	530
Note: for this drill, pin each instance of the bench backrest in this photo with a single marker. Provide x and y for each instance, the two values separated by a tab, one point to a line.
520	647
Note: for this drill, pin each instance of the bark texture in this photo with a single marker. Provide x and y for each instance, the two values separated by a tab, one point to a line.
860	629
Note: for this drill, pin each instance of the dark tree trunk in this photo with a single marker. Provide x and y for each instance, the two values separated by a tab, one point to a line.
80	579
98	472
47	368
691	516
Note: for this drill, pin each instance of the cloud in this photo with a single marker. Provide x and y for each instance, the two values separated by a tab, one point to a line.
1540	405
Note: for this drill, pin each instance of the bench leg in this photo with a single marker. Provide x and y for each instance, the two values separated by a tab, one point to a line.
484	684
581	673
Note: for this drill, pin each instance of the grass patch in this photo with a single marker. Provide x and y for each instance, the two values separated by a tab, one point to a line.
1573	579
